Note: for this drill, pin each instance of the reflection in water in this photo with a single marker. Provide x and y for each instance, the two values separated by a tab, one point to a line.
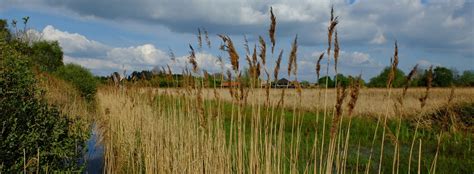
95	153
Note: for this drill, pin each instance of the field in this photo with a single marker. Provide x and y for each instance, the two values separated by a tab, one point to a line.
313	99
148	130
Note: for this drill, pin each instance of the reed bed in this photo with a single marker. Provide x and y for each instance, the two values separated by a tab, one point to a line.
195	129
369	98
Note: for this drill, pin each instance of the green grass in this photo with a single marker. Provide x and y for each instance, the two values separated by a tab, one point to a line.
455	153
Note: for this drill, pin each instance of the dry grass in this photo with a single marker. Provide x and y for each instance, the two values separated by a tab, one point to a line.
371	101
194	129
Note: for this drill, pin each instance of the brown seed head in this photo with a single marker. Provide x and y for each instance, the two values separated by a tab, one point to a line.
355	88
271	31
192	59
263	49
318	65
336	51
429	79
199	36
233	55
208	41
332	25
277	66
292	67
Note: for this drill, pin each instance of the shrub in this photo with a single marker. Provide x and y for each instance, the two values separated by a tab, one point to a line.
31	128
81	78
47	55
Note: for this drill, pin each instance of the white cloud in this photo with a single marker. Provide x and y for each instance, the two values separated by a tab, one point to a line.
77	50
144	54
74	43
430	25
426	64
358	59
379	38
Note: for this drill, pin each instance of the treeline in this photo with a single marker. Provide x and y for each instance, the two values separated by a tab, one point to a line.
37	136
441	77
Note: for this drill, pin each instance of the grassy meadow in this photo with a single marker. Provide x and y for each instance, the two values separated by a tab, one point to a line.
195	128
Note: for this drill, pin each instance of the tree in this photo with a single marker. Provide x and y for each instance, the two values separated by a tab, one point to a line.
4	33
322	82
442	77
343	80
30	126
467	78
381	80
47	55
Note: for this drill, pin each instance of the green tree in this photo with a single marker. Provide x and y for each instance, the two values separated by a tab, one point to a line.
47	55
442	77
380	80
81	78
343	80
322	82
467	79
4	33
29	124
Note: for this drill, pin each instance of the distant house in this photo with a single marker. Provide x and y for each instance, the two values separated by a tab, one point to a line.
282	83
230	84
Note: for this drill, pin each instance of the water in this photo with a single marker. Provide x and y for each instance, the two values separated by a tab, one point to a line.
95	153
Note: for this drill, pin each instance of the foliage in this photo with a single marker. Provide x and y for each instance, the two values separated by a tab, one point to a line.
81	78
380	80
442	77
322	82
4	33
47	55
343	80
31	128
466	79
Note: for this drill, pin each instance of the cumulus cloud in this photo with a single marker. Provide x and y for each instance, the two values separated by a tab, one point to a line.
429	25
74	43
358	59
102	58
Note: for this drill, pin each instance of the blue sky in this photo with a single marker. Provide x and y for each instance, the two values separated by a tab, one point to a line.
107	36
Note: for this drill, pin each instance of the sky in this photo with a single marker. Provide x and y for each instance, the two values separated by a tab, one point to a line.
116	35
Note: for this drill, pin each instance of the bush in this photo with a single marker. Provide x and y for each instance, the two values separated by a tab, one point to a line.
30	127
47	55
81	78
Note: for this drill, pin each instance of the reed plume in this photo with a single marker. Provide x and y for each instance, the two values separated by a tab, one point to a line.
271	31
318	65
292	67
277	66
354	93
429	79
208	41
332	25
263	49
341	95
336	51
394	64
409	78
230	49
199	36
192	58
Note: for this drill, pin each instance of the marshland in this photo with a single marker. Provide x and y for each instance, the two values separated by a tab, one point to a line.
252	114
